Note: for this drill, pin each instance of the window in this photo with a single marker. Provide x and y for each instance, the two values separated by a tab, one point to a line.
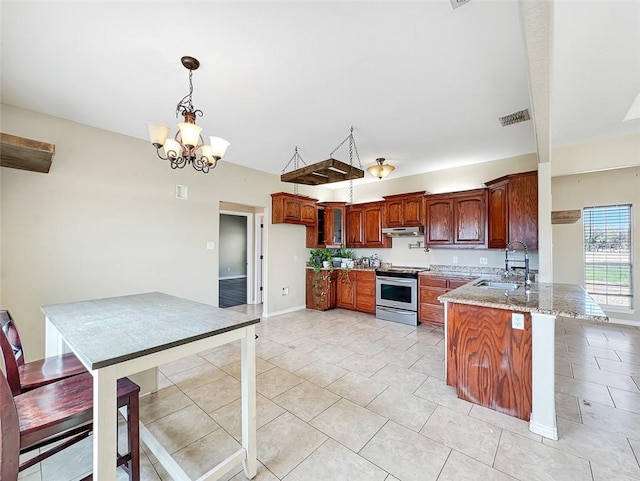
607	255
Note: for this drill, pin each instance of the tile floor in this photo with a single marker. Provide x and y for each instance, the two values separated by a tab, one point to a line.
343	396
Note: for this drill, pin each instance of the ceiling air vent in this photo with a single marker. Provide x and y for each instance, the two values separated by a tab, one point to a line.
458	3
515	117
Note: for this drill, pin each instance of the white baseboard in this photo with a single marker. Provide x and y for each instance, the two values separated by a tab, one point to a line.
625	322
231	277
285	311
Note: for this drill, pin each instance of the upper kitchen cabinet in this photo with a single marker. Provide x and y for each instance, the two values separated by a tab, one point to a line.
513	210
334	224
293	209
456	219
364	225
404	210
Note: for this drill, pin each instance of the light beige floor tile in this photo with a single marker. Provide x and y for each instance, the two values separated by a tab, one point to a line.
223	355
334	462
196	377
435	390
321	373
503	421
161	403
467	435
73	462
267	349
305	344
332	354
399	358
215	395
276	381
285	442
263	474
204	454
610	419
30	476
529	460
583	389
361	364
609	450
567	407
162	380
405	454
306	400
429	367
356	388
460	467
405	409
181	364
606	378
598	352
629	401
604	473
181	428
364	347
619	367
391	478
618	345
630	357
399	377
396	342
229	416
233	369
349	424
292	360
563	368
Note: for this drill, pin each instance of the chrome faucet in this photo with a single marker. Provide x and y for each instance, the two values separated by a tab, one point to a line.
507	261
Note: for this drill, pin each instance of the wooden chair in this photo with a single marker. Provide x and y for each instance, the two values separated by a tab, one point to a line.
26	376
53	417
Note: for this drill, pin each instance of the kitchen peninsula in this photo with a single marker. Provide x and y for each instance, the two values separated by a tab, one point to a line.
500	345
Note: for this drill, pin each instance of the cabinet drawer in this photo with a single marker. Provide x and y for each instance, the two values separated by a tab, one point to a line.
429	295
430	314
366	303
432	281
455	283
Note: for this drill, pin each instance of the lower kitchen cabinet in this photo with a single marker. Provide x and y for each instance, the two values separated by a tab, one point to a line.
321	289
430	310
356	290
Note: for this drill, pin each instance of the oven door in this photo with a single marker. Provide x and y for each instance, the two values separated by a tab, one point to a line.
397	292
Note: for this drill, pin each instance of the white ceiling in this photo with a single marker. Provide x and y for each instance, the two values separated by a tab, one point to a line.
422	84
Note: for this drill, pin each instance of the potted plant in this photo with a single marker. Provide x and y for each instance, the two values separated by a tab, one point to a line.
347	257
320	261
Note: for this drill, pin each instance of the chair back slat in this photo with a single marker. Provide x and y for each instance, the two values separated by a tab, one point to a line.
11	331
9	433
11	363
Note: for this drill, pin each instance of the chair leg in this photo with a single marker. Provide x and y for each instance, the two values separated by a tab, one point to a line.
133	431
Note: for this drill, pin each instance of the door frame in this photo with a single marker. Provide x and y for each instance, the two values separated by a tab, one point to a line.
251	296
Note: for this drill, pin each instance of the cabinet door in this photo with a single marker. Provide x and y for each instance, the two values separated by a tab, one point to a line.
292	209
523	209
498	216
366	291
373	226
354	227
469	220
439	222
307	212
334	225
394	210
412	211
345	289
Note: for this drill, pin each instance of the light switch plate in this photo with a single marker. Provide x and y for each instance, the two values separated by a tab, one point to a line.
517	320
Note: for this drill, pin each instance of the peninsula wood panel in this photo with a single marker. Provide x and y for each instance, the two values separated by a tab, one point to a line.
523	209
488	362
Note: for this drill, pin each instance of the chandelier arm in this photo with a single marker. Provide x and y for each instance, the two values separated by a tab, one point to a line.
160	156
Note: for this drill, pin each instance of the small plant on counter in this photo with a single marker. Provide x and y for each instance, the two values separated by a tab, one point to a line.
317	257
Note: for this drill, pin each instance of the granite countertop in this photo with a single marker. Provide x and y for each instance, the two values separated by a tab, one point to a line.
566	300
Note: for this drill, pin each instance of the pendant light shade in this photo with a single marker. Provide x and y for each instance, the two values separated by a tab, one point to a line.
381	170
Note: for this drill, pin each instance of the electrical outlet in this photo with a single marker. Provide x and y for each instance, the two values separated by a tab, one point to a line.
483	261
455	259
517	320
285	291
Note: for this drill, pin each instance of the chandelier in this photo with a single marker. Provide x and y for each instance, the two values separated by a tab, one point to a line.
187	147
380	169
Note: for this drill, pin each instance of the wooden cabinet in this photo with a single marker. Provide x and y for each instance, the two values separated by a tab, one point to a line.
293	209
489	362
404	210
355	226
334	224
513	210
321	289
430	310
364	226
457	219
356	290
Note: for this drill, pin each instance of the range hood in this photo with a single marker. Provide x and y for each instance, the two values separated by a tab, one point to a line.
402	231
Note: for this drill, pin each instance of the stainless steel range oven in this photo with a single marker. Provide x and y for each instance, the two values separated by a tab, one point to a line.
397	295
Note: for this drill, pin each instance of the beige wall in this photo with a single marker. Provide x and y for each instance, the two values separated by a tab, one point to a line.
105	222
620	186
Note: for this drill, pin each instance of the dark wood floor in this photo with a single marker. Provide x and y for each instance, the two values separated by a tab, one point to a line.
233	292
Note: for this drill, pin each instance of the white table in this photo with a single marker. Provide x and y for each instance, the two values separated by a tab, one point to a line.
120	336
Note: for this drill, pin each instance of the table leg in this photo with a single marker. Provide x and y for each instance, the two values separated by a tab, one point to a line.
248	391
543	382
105	436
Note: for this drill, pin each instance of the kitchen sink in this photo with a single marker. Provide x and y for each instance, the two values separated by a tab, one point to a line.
508	286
